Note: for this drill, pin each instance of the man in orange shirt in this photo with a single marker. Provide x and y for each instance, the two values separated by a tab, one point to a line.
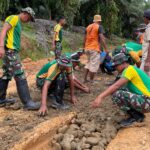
92	45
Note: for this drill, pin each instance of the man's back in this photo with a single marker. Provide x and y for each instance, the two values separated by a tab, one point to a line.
92	37
139	82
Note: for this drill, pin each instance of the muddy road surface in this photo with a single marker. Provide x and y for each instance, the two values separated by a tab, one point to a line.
90	129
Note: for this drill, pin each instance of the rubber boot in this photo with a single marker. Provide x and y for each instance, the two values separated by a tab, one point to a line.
3	91
59	92
135	116
24	94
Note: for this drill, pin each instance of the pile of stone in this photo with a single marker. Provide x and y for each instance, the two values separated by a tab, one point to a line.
84	135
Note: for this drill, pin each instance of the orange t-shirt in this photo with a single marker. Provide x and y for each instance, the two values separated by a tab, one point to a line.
92	38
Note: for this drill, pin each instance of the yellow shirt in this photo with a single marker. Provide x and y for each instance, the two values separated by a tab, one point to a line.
58	30
13	36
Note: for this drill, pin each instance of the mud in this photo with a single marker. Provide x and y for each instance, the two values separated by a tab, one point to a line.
91	129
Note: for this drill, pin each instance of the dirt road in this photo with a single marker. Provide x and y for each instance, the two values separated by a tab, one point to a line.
90	129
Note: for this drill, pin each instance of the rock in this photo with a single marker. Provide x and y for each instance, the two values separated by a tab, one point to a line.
66	142
87	133
78	147
80	134
72	132
73	145
104	141
92	140
74	126
113	134
97	148
63	129
108	140
77	140
73	120
96	134
83	139
78	122
56	146
85	146
88	127
58	137
101	144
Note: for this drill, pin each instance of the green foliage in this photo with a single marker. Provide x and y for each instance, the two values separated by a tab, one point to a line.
119	16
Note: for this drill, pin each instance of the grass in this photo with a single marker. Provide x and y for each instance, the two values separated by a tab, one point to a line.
71	42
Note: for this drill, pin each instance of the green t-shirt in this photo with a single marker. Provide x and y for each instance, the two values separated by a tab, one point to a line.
13	37
51	70
131	46
139	81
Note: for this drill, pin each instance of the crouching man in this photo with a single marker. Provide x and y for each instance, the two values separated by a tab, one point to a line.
134	98
51	80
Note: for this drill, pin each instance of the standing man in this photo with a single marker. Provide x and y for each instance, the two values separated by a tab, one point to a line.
10	38
145	66
57	39
131	92
92	45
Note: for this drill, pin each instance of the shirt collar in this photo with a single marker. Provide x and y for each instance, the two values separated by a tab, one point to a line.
148	25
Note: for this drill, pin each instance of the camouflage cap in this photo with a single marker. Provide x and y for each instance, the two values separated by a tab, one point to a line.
30	11
120	58
64	60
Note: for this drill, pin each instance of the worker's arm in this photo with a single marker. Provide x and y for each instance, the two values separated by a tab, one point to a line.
43	109
71	82
109	91
3	33
81	86
103	42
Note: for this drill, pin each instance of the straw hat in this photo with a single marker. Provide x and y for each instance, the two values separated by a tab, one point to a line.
97	18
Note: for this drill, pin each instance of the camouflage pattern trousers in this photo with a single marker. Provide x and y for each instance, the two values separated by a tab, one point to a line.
127	100
12	66
58	49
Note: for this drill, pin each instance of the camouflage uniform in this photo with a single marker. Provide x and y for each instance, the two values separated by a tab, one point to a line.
127	100
12	66
56	88
58	49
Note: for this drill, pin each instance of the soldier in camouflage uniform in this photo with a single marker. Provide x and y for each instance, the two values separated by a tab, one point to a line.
57	39
131	92
9	50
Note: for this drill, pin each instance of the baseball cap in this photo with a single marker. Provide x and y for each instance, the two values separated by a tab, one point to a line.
64	61
120	58
30	11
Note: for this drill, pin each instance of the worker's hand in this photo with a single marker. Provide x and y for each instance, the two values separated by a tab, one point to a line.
2	51
74	100
96	103
87	90
43	111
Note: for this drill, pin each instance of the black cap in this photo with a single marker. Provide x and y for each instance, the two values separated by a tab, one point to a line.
147	14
